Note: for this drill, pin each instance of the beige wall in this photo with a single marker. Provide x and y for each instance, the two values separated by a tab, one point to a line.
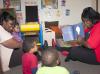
99	6
1	3
75	7
93	3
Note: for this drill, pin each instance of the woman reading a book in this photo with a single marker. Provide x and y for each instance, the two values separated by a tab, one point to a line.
89	50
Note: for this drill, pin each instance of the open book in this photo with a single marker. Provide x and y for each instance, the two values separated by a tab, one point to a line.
71	32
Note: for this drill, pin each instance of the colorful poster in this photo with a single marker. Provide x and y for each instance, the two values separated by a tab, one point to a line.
49	4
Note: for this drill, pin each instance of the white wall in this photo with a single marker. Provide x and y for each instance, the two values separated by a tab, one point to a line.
75	7
99	6
47	14
1	3
93	4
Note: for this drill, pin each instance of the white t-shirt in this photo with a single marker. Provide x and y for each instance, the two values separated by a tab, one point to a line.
4	35
5	53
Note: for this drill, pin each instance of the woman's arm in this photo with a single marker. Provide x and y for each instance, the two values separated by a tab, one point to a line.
12	43
82	41
7	40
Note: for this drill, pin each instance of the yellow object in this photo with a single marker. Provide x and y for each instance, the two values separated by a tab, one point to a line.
30	26
38	44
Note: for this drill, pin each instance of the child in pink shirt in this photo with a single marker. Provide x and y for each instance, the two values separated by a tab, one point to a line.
29	60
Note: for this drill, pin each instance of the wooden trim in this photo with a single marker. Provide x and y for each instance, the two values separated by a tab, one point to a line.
96	5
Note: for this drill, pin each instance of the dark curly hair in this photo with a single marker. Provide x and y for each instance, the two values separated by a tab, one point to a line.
90	14
5	16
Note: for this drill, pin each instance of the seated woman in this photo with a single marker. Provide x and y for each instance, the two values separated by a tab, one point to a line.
89	51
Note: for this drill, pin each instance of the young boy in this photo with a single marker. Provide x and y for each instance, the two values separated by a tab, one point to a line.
29	60
50	61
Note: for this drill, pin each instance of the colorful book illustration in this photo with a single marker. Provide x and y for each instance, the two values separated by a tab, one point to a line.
71	32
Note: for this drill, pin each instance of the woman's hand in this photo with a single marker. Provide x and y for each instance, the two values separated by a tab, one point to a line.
80	39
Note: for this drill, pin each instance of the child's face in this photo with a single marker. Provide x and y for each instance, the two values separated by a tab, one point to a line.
34	49
16	29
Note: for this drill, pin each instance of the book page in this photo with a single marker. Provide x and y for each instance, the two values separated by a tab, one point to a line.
67	33
70	33
81	30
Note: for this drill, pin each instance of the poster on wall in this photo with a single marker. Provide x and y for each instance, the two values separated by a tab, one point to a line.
49	4
6	3
12	4
63	2
16	4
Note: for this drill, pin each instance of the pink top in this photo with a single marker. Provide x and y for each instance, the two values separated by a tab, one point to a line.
29	61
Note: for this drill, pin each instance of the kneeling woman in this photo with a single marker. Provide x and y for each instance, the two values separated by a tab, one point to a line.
89	52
